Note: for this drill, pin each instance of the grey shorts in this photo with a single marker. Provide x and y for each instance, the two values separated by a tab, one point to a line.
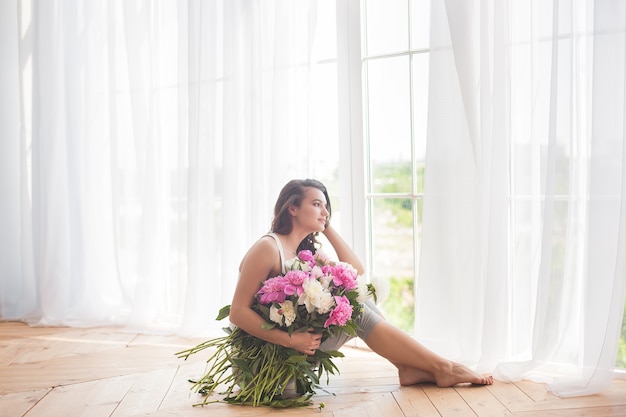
370	318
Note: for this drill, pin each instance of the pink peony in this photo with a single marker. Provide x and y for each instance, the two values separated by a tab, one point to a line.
341	314
305	255
293	282
344	275
273	291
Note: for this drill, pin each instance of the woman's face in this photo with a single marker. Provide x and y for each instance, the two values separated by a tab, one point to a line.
312	213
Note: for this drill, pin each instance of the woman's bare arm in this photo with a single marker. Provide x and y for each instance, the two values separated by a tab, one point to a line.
343	250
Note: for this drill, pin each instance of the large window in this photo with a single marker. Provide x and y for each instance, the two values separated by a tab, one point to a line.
395	59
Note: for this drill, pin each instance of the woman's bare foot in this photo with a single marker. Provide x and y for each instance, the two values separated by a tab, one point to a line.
455	373
412	376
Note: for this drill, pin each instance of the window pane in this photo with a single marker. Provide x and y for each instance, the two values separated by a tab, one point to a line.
391	177
392	263
386	23
621	354
420	24
420	113
389	115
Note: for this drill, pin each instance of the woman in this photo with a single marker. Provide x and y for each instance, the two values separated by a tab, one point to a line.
302	211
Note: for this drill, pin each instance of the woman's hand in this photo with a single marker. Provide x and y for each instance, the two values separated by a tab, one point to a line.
306	342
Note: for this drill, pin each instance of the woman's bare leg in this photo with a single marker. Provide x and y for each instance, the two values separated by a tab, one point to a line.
416	363
411	376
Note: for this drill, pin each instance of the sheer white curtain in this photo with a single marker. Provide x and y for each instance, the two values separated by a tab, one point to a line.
525	189
143	146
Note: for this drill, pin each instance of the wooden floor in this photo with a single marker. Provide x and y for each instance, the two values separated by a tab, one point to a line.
52	372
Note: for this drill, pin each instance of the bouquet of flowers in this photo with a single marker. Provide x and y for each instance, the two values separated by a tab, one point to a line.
313	294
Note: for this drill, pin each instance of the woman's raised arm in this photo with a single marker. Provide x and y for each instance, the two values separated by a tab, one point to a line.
343	250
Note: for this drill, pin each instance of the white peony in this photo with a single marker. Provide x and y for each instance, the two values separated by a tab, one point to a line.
275	315
289	313
316	272
326	303
285	311
326	280
362	290
381	289
315	298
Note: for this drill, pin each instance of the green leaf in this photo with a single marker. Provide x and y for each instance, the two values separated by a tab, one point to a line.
291	352
296	359
371	290
267	326
264	311
309	373
224	312
329	354
242	364
329	366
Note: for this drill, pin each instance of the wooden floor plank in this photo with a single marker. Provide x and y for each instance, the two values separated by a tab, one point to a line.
32	350
383	405
482	401
87	399
414	402
146	393
510	396
13	329
18	403
179	394
448	402
536	391
173	343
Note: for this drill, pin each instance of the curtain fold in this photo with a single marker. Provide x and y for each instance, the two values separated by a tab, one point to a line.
155	137
524	190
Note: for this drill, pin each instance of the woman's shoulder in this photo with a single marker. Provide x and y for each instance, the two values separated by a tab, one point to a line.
263	250
265	244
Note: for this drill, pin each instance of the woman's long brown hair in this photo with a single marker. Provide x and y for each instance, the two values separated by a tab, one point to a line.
293	194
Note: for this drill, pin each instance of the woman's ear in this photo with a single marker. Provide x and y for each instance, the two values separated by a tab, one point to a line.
292	210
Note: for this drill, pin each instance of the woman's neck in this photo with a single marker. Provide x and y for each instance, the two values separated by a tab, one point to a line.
291	242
